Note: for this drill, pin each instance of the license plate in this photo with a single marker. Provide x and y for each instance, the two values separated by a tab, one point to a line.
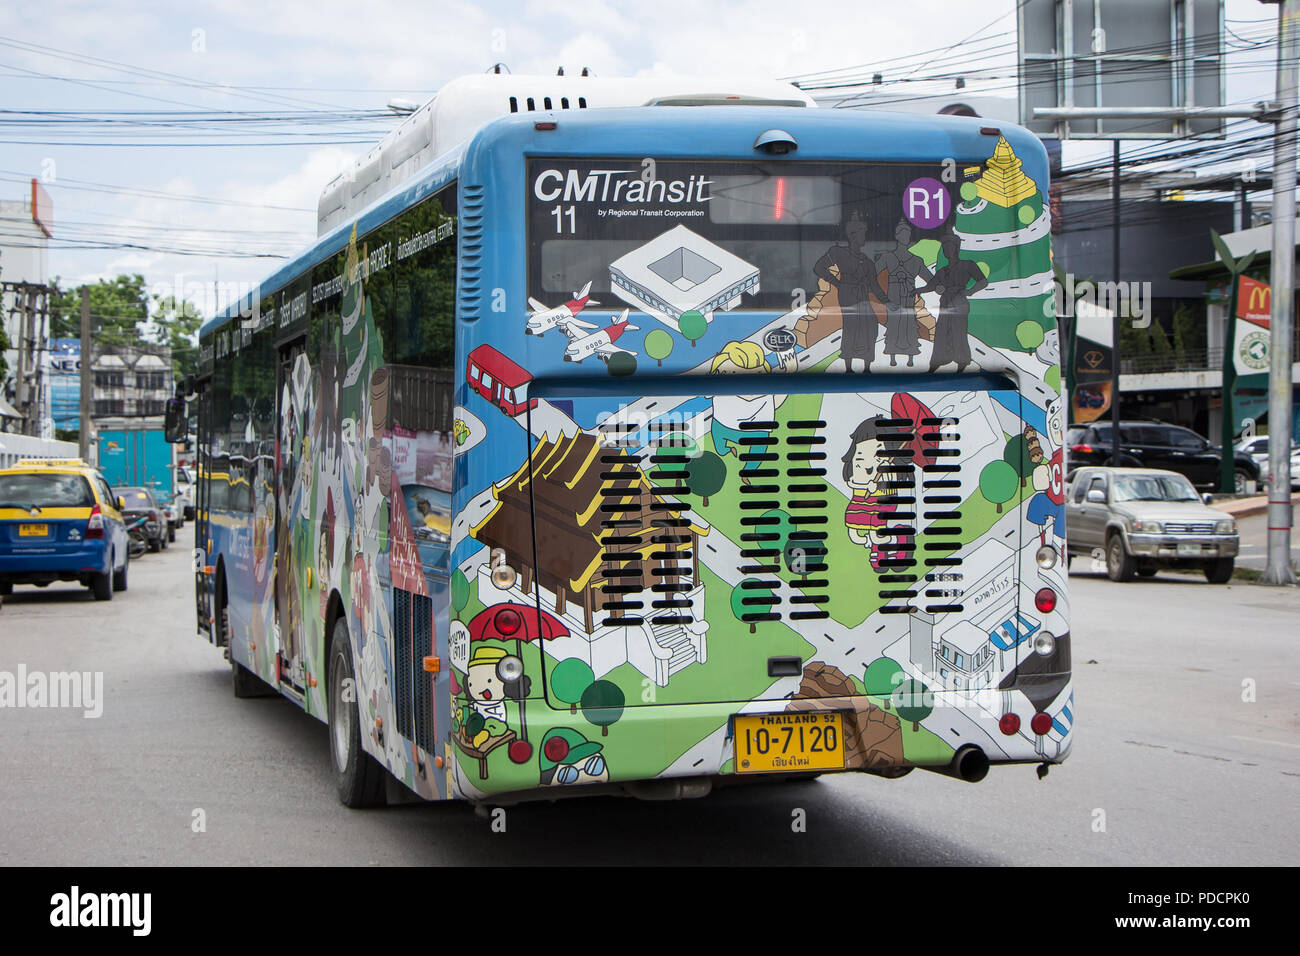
776	743
33	531
1191	549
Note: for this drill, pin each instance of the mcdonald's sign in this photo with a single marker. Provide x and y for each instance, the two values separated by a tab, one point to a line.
1254	301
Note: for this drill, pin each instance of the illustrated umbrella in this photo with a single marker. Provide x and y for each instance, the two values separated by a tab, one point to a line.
518	623
919	415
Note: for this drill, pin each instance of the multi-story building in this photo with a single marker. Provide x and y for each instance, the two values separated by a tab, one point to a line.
130	381
25	228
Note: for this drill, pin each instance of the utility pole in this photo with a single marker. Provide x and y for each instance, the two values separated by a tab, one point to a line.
22	393
83	431
1282	281
1114	319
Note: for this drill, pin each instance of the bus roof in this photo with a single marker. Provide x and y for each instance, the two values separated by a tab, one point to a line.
825	135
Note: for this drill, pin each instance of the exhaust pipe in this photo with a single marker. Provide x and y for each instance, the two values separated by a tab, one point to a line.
969	763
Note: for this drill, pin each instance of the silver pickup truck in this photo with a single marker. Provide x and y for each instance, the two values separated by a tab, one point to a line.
1139	520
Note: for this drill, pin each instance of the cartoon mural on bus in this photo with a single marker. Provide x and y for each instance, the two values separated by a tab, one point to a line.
662	543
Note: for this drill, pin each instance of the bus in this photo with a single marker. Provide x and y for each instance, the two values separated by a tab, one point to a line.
785	498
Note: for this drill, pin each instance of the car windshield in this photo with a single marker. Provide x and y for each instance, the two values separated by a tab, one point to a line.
1153	488
136	497
45	491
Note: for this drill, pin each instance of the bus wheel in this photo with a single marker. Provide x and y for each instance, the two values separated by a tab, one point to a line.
359	777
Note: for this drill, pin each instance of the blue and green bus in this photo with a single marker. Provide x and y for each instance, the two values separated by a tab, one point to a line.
653	448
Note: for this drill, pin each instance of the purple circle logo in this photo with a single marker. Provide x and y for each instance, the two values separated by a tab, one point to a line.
926	203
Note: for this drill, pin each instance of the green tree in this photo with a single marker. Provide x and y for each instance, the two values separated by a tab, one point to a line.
749	588
176	324
705	475
658	345
693	325
117	307
1016	454
913	701
1029	334
459	592
570	680
998	483
881	677
621	363
602	704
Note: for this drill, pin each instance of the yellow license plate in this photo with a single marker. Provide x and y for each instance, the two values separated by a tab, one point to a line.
33	531
775	743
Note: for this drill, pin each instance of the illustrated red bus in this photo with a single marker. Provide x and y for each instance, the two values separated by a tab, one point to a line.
499	380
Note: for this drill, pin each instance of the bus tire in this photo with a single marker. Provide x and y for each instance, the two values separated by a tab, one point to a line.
1120	565
359	777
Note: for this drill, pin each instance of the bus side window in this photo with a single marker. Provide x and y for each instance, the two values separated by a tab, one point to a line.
487	380
473	372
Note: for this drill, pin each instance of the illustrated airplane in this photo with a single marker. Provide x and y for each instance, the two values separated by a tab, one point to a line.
542	318
601	344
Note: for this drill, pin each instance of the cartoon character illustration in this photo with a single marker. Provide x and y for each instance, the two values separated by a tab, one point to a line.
953	283
730	411
852	274
902	328
867	515
1047	508
567	758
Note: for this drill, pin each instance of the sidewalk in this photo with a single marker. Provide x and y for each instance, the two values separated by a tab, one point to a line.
1244	507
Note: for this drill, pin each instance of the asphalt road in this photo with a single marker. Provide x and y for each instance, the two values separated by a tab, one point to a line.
1253	530
1170	765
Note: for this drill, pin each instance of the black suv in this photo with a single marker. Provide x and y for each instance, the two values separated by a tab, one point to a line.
1156	445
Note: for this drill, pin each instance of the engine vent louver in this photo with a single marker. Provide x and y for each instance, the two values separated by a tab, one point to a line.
926	578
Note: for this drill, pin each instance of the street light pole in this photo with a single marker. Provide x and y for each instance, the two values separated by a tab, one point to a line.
1278	570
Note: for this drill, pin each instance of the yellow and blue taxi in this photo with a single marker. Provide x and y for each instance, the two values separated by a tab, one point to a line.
60	521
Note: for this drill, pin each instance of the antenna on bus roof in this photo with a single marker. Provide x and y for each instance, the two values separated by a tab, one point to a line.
586	72
560	72
497	68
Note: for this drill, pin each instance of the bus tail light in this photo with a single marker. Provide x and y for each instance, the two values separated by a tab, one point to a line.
1009	724
1041	723
1045	600
557	748
95	526
508	621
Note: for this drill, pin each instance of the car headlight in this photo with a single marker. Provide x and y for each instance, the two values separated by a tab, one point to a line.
1226	527
1145	526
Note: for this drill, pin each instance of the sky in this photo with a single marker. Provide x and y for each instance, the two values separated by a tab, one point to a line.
236	193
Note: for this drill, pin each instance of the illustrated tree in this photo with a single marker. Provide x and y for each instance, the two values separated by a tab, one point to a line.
602	704
1016	454
881	677
693	325
621	363
705	474
1029	334
658	345
751	589
998	483
570	680
775	522
459	591
913	701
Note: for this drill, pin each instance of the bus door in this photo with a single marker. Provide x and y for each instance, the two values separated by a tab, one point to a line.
289	611
202	527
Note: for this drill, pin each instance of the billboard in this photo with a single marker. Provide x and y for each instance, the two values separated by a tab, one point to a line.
1125	54
65	383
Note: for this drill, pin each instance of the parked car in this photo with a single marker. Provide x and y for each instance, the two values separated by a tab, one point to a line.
141	501
1157	445
1145	519
1264	469
185	491
60	521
